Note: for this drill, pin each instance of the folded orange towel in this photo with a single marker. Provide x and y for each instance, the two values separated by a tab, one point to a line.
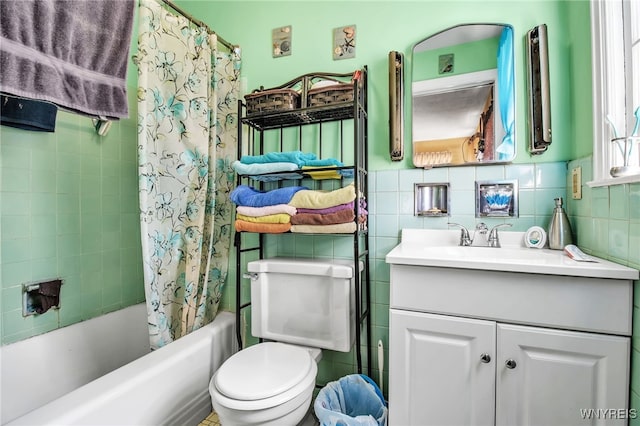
265	228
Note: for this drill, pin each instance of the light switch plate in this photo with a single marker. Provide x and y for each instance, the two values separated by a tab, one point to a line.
576	183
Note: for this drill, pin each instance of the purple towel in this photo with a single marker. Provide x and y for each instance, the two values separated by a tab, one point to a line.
328	210
73	53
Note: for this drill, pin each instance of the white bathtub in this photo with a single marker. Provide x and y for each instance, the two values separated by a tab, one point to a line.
166	386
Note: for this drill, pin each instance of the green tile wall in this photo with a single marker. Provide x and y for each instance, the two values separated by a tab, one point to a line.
606	222
390	207
69	209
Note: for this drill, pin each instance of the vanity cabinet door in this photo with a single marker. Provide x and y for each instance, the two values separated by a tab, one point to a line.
441	370
546	377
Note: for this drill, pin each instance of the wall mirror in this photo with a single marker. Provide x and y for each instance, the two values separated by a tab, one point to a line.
463	97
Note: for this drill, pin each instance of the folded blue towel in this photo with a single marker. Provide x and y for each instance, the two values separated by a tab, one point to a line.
28	114
298	157
248	196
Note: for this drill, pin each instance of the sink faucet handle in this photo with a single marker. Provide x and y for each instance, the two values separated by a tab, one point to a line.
465	239
492	239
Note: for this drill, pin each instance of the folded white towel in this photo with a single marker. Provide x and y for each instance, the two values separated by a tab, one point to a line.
260	168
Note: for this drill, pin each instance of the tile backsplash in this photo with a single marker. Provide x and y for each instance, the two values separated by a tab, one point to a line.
391	208
391	196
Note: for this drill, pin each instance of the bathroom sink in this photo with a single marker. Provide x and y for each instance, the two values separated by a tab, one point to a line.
489	254
440	248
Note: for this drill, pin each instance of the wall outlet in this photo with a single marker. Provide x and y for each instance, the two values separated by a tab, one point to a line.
576	183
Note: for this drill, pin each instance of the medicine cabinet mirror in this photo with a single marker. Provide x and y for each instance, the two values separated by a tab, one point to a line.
463	97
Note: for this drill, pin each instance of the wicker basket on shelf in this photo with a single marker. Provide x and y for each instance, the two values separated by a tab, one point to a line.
272	100
335	93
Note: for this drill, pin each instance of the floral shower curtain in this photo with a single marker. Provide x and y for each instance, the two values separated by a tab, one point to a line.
185	145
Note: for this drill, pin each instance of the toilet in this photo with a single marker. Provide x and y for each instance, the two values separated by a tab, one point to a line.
299	306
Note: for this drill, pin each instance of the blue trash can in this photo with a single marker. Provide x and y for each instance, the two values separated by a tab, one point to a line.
352	400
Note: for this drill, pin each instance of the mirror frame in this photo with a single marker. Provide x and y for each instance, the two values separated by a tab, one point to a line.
497	119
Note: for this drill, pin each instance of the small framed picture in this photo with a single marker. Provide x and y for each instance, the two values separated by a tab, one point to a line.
445	63
281	41
344	42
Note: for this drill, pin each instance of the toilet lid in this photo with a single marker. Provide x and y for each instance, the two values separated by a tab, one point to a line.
262	371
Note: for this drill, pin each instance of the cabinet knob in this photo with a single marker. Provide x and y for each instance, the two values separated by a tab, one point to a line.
486	358
511	364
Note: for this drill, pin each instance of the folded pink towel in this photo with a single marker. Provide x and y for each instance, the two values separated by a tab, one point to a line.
339	228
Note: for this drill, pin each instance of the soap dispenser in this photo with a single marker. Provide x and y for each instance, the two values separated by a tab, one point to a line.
559	228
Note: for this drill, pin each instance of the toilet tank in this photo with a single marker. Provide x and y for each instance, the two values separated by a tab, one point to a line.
309	302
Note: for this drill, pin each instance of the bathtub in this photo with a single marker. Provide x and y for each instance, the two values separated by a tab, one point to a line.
166	386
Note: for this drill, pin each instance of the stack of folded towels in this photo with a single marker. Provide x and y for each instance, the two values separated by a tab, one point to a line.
283	165
297	209
326	212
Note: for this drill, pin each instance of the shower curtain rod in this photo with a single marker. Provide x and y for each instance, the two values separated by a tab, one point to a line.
198	22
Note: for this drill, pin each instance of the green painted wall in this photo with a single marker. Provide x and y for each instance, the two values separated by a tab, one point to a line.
383	26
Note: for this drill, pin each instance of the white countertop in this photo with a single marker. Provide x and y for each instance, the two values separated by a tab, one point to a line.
427	247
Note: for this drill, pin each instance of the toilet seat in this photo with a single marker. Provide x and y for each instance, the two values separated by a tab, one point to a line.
264	375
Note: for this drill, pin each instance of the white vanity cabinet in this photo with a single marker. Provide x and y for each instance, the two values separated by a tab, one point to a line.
436	372
484	346
448	370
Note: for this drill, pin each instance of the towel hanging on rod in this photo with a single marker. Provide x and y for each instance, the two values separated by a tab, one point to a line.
81	67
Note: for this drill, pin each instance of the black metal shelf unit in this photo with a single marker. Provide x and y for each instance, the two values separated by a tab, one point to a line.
354	148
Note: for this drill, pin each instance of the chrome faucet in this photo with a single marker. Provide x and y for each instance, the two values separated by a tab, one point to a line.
465	239
482	228
492	239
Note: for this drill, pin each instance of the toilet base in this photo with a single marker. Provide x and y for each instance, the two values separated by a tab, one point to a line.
309	418
291	413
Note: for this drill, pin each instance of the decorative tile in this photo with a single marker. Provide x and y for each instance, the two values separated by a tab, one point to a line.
387	181
619	202
495	172
550	175
524	173
600	204
463	202
437	175
408	178
634	246
600	237
634	202
618	246
387	225
462	178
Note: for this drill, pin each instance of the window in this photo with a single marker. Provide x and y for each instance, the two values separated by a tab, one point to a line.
615	34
